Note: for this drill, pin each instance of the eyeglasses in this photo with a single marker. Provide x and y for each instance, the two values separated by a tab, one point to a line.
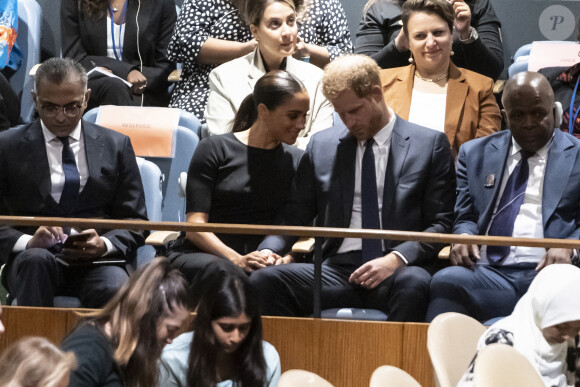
71	111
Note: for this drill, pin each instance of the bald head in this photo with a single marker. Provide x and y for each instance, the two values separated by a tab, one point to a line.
526	81
529	109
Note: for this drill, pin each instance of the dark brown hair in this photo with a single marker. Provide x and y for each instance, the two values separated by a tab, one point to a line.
253	10
272	89
441	8
94	9
229	297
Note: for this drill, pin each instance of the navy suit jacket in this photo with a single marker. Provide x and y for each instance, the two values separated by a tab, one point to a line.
418	194
113	189
487	156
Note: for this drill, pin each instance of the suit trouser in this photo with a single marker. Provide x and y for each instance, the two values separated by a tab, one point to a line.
34	278
286	290
109	91
201	270
112	91
482	293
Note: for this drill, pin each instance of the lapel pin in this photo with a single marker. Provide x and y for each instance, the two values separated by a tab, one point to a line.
490	181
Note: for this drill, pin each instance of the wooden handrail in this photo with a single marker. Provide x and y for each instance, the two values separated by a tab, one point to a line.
224	228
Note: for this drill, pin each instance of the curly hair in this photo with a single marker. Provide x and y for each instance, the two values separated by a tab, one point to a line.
358	73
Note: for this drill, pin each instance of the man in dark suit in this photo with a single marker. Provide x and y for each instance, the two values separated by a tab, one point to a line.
378	171
522	182
62	166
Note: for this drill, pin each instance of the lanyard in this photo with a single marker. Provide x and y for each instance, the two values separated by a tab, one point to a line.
573	120
120	29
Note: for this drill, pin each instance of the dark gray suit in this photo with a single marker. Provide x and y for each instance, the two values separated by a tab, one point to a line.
113	191
418	196
490	291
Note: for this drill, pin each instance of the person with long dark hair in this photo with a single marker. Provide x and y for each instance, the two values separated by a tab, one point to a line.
226	347
242	177
125	38
121	344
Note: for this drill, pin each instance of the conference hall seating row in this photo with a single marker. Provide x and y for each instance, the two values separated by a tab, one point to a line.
366	353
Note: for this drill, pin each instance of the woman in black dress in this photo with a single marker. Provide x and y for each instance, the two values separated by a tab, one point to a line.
242	177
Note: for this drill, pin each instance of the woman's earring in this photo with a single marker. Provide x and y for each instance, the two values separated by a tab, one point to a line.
411	58
451	53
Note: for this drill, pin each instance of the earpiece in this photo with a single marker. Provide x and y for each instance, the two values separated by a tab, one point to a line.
138	48
559	112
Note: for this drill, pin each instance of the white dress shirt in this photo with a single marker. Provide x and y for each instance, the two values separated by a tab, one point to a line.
54	154
381	147
529	222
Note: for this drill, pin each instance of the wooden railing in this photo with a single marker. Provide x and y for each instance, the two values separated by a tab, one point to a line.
344	352
317	232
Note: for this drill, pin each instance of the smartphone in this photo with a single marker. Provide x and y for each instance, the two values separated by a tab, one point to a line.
81	237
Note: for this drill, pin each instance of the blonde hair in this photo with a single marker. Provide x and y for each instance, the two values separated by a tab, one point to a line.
34	361
354	72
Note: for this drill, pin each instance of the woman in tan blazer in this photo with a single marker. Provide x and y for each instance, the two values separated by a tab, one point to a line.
432	91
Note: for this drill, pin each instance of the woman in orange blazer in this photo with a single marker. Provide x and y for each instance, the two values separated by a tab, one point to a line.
432	91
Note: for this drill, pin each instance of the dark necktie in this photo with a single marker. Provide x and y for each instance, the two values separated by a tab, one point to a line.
371	248
72	179
509	207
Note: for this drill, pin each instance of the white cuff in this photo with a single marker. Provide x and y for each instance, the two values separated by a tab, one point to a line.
401	256
111	249
21	243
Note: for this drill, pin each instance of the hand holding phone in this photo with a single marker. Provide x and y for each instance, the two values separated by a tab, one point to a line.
85	246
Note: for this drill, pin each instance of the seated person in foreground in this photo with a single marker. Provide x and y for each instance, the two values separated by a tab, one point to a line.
521	182
476	35
273	24
432	91
377	172
62	166
542	326
242	177
225	348
120	345
35	361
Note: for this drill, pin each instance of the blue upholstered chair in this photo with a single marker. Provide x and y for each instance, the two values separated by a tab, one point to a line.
186	119
185	141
